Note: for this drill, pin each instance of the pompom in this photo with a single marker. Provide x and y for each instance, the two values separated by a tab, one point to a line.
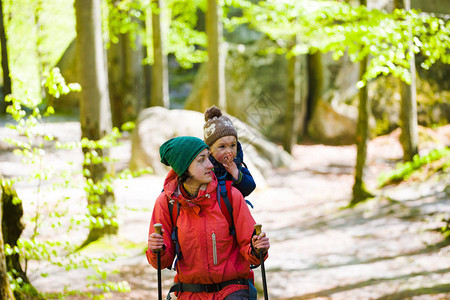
212	112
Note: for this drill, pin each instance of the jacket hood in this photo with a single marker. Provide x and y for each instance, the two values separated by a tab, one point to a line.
173	192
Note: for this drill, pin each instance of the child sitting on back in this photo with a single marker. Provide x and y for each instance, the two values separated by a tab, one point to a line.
226	151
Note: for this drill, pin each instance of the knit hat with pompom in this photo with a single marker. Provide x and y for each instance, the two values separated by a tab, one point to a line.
217	126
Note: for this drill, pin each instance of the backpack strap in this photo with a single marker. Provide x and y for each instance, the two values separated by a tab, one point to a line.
174	217
173	213
227	210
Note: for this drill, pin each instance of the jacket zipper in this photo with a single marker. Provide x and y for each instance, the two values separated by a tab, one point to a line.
214	244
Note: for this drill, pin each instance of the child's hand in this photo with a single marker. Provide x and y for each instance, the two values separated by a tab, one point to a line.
231	166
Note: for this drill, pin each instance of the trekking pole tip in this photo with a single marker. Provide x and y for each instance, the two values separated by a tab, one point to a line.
258	229
158	227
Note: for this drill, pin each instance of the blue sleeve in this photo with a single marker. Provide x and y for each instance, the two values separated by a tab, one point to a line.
245	183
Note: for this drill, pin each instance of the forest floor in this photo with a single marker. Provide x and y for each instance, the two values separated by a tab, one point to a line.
386	248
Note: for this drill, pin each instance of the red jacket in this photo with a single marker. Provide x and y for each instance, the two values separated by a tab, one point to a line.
210	253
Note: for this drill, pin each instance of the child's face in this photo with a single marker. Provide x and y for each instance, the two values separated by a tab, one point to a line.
224	149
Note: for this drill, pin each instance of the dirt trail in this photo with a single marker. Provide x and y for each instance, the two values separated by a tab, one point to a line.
383	249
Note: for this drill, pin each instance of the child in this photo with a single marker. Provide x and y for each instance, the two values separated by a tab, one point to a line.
226	152
214	263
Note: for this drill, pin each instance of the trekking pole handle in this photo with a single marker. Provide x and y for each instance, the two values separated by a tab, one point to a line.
158	227
258	229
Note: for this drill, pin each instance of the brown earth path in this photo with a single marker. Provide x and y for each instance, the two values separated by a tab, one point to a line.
384	249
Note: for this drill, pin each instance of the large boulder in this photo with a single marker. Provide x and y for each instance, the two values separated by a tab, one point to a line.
332	121
156	125
332	127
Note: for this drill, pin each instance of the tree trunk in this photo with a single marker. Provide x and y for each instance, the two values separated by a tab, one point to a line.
216	58
12	228
409	137
360	192
127	86
39	55
5	65
95	112
292	117
160	73
316	83
315	92
408	114
5	289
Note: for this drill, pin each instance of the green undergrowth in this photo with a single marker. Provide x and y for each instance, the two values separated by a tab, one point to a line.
420	168
434	164
113	244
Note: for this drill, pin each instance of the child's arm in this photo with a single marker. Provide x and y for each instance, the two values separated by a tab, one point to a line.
245	183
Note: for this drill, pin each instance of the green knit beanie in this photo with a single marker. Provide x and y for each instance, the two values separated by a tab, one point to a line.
179	152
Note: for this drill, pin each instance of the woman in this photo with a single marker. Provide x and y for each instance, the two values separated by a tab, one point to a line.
215	264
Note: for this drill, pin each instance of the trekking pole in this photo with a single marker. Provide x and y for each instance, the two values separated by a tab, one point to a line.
158	227
261	258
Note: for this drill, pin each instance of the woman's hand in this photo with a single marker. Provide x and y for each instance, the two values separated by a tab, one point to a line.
261	242
156	241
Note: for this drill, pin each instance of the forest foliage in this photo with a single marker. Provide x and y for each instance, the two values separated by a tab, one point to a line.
32	145
39	32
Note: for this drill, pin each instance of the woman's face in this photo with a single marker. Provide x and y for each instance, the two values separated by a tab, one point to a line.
224	149
200	169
